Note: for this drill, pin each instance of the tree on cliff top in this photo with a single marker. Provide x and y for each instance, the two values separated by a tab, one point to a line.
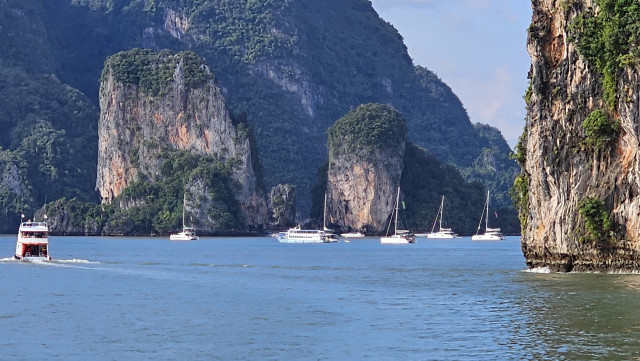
367	128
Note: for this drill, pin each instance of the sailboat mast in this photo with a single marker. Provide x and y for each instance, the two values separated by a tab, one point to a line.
486	225
324	220
397	205
184	203
441	211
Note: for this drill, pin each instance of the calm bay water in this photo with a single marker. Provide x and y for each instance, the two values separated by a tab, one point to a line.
256	299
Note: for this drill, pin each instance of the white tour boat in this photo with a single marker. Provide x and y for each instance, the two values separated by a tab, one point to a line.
399	236
188	233
490	234
442	233
298	235
33	242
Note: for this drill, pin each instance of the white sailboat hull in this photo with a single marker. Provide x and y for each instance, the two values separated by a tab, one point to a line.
488	237
352	235
399	236
440	235
183	236
397	239
490	234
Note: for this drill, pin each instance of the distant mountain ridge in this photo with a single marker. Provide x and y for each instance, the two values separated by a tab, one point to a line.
292	68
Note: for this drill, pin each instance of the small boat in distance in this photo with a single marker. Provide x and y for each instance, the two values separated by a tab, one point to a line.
399	236
33	242
352	235
442	233
490	234
188	233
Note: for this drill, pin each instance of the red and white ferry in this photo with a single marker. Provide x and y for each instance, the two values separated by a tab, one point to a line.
33	242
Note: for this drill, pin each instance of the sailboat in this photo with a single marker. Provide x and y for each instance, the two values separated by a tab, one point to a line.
442	233
490	234
399	236
188	233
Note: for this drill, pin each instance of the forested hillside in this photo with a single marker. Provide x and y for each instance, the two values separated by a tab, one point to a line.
290	67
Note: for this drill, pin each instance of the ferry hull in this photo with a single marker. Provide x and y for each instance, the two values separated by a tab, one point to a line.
33	242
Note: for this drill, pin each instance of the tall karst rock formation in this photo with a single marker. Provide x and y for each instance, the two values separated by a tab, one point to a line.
154	103
579	192
366	153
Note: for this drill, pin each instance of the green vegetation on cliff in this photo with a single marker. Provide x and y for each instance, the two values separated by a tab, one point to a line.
601	129
370	130
47	144
609	39
367	128
156	207
152	72
292	67
600	227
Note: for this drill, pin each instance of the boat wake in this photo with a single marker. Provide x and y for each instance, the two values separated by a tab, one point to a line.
51	262
75	260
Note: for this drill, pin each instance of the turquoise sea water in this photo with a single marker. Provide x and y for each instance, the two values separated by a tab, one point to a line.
256	299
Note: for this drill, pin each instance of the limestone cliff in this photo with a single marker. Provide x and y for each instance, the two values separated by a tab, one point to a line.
366	150
579	192
282	205
154	102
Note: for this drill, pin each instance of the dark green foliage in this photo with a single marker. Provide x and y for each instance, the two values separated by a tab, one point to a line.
601	129
425	180
609	39
152	72
367	128
159	204
493	167
49	134
293	67
597	220
84	217
520	196
520	153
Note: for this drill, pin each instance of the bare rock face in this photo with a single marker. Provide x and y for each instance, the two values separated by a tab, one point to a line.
580	194
177	106
366	152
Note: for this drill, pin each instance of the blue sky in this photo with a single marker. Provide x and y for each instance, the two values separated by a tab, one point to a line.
477	47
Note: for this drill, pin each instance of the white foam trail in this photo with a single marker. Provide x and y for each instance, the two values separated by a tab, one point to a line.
75	260
538	270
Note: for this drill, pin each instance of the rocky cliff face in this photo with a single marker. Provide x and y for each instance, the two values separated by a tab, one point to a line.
136	125
583	206
282	205
361	194
366	152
